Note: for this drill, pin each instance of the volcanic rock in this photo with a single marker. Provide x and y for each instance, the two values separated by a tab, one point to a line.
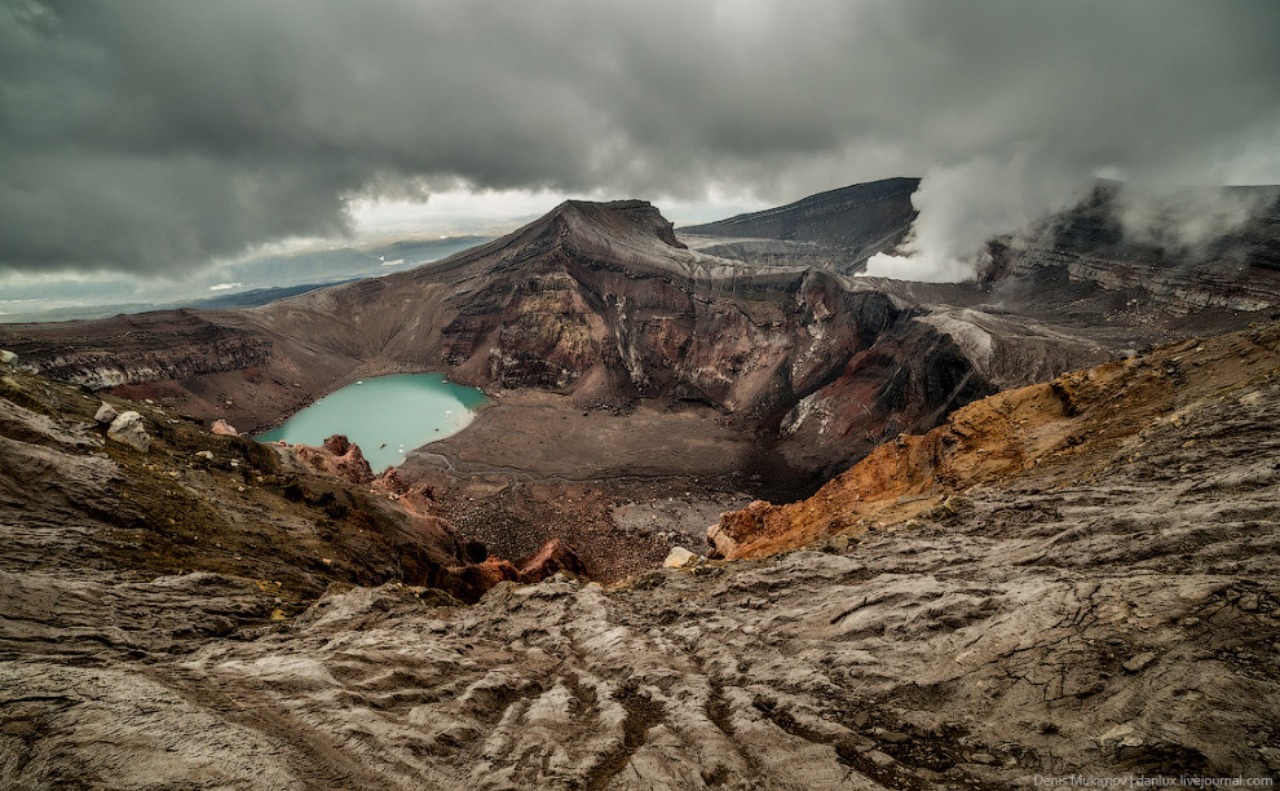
678	558
106	414
1088	243
148	347
1019	601
553	557
223	429
129	429
8	359
478	578
1073	426
338	456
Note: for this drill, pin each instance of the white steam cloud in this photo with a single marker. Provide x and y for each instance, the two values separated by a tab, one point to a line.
151	138
963	207
1185	223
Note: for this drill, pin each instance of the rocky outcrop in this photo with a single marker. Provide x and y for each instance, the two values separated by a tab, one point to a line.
553	558
338	456
223	428
148	347
1068	428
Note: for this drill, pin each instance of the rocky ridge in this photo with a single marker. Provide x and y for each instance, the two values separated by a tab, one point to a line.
1080	426
1233	270
846	225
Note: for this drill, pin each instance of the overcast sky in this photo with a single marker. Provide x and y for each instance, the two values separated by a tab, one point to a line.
154	137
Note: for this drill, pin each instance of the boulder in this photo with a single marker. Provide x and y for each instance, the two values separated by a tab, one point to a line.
8	358
678	558
128	429
106	414
223	428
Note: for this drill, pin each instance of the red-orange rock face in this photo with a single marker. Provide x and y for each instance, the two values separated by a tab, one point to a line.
554	556
339	457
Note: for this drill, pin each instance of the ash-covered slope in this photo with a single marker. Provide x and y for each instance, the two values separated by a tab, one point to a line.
844	226
1156	262
1110	611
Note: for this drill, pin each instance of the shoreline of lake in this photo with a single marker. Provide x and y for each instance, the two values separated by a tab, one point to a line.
387	416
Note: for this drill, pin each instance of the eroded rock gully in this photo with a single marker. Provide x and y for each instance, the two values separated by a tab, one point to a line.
1069	429
1120	620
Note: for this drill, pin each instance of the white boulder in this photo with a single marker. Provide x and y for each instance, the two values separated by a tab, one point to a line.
128	429
106	414
678	558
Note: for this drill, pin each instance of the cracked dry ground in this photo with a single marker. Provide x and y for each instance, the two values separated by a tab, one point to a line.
1124	622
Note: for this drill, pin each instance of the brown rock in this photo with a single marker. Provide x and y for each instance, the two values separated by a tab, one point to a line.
738	527
552	557
338	456
476	578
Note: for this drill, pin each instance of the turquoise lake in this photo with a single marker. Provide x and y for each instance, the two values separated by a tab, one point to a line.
387	416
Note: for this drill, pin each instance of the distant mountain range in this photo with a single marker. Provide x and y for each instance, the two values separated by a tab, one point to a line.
256	281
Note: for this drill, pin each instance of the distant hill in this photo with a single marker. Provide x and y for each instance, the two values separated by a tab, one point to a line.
256	297
253	282
858	221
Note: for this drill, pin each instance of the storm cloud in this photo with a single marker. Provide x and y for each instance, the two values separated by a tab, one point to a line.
152	137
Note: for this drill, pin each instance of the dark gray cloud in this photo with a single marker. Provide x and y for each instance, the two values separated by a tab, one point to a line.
152	136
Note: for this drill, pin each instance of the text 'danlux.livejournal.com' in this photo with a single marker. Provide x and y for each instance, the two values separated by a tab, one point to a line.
1154	781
